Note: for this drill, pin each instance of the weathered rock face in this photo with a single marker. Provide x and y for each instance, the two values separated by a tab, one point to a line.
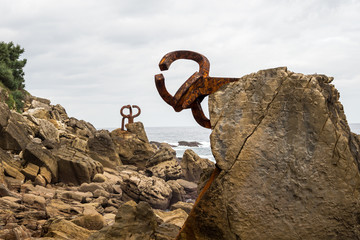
164	165
133	149
103	149
193	166
289	163
139	187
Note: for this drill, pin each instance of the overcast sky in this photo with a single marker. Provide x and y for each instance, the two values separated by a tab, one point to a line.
93	57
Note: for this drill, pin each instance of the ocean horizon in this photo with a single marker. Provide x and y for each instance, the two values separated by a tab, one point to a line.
172	136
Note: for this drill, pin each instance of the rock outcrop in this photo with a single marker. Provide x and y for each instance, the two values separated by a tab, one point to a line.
193	166
289	165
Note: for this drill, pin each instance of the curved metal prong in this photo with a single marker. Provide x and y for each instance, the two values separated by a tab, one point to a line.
123	114
199	115
139	111
160	86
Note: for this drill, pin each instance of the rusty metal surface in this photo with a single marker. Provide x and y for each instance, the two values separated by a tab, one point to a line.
195	89
129	116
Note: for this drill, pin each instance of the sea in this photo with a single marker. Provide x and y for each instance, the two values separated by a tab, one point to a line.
173	135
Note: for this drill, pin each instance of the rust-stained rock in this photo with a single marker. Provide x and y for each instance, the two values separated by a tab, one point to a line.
289	163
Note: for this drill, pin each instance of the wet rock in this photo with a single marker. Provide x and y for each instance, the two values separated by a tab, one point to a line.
189	144
289	164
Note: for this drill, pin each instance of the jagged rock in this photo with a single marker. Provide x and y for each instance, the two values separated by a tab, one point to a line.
16	232
189	187
80	144
63	229
133	221
131	149
142	188
103	149
138	129
59	113
81	128
36	154
9	167
182	205
34	200
48	131
39	113
289	164
76	167
193	166
178	191
164	165
13	135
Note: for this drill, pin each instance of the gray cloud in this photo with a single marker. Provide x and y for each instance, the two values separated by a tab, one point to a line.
93	57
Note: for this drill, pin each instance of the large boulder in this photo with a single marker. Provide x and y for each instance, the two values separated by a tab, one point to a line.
193	166
76	167
13	134
132	148
36	154
289	165
139	187
103	149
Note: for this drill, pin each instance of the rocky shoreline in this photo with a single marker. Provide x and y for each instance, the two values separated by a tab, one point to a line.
60	178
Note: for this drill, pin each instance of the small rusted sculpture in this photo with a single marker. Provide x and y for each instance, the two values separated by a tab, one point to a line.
195	89
129	116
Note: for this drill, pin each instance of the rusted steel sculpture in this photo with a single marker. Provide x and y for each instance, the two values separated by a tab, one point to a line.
195	89
129	116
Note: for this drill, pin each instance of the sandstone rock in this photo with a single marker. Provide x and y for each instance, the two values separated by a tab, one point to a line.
141	188
76	167
138	129
34	200
90	187
13	135
193	166
164	165
99	193
131	149
31	171
16	233
75	195
178	191
99	178
81	128
133	221
35	154
189	187
103	149
90	222
63	229
40	180
39	112
48	131
10	168
182	205
59	113
176	217
289	164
